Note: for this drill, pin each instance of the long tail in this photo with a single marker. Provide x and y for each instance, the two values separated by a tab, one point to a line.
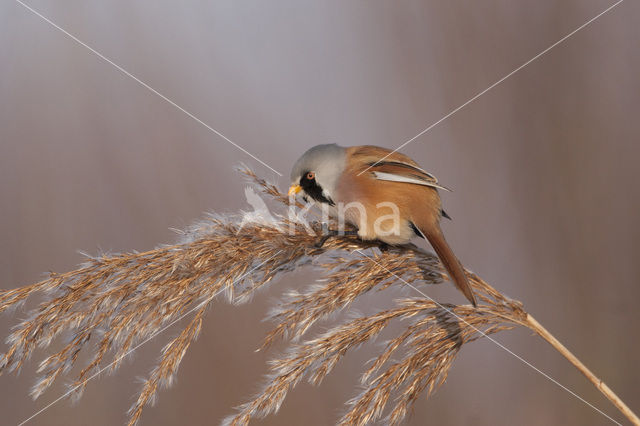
450	261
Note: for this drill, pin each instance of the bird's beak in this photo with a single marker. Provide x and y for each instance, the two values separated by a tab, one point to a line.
294	190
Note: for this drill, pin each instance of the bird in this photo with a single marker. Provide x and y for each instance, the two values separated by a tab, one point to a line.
386	195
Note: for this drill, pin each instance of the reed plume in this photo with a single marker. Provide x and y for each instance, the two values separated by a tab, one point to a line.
112	304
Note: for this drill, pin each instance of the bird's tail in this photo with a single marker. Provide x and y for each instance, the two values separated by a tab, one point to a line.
450	261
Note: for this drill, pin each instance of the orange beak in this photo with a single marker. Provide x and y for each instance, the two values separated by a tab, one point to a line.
294	190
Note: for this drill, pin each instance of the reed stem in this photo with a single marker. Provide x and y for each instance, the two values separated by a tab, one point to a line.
597	382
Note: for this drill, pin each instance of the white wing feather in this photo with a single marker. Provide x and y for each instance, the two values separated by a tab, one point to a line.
399	178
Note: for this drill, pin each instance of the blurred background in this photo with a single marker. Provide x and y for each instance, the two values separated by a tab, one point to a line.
544	169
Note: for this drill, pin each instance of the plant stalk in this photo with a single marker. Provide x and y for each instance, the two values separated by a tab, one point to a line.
598	383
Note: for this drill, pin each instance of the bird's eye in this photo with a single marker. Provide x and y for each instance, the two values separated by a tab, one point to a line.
311	176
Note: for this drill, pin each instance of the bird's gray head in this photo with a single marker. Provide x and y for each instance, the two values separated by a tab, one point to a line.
316	173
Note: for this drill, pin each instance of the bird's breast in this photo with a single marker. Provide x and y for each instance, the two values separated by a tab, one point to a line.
384	210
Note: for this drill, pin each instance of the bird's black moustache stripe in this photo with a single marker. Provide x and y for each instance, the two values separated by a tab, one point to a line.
313	190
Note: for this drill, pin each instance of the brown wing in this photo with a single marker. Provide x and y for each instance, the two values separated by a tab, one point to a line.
386	165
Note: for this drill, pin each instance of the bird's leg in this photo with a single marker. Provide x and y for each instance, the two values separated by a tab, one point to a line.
328	233
323	240
383	247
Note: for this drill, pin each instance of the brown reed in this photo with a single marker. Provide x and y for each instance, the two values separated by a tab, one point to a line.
112	304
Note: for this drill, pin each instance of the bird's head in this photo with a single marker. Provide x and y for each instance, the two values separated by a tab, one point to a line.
316	173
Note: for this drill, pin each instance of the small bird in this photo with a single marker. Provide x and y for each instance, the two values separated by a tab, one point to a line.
384	194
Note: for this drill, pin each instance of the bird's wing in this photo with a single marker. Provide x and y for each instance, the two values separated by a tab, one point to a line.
394	177
393	167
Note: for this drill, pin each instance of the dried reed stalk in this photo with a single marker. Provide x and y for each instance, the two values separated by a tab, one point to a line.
113	304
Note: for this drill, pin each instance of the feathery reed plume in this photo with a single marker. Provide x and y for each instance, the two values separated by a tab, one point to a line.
431	341
112	304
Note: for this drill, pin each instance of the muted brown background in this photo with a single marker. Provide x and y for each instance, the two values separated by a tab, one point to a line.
544	170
